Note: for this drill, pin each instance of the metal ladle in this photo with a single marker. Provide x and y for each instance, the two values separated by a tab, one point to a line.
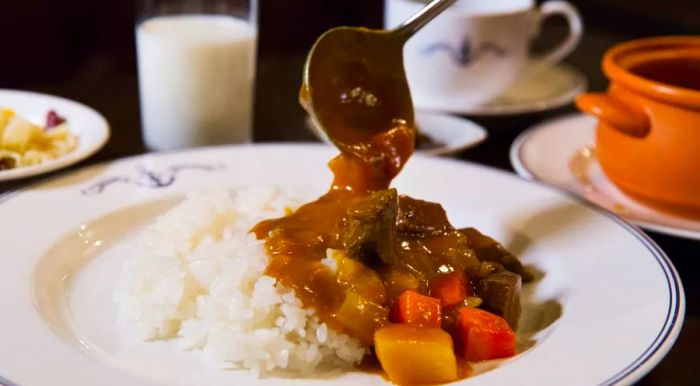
354	85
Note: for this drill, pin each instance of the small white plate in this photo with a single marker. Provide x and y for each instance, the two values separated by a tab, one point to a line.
561	152
539	89
607	305
91	127
449	134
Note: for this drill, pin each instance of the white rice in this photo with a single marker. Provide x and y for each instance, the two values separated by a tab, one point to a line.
196	275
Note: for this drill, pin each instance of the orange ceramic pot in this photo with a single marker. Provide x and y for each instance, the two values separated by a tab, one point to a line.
648	135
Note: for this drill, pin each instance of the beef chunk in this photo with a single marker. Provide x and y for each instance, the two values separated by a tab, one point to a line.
488	249
501	295
421	218
371	228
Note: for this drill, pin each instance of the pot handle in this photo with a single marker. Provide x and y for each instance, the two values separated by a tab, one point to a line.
623	116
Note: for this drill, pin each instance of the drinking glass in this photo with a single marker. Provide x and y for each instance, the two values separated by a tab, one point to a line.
196	64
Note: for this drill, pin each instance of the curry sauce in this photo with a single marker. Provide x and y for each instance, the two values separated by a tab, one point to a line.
390	243
352	253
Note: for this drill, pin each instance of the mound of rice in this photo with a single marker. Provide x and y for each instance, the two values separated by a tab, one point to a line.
197	275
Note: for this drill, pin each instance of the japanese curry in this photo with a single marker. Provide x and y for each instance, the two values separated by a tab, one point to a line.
388	269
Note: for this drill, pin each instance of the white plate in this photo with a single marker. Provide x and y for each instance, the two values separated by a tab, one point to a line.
91	127
607	307
561	152
451	134
539	89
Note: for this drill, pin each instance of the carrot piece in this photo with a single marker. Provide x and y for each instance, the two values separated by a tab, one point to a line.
484	335
415	308
450	288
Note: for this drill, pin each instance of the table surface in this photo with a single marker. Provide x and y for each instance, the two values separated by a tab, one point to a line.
114	92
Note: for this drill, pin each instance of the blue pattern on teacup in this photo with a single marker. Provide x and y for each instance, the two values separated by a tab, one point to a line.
465	54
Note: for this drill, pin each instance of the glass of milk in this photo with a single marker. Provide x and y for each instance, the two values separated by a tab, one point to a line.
196	64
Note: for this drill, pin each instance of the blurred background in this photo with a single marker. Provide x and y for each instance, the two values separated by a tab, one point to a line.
85	50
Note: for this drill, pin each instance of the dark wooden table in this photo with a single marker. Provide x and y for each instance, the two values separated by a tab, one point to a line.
106	80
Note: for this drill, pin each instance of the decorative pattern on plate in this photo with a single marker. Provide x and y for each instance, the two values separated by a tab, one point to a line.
148	178
465	54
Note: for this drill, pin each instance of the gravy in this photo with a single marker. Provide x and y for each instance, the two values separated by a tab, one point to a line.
679	72
388	243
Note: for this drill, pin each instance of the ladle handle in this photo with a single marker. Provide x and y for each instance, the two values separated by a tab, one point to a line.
422	17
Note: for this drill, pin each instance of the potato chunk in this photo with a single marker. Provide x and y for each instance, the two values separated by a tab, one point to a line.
360	317
359	278
19	134
413	354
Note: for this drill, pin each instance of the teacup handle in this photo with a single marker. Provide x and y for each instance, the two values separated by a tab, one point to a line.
573	18
623	116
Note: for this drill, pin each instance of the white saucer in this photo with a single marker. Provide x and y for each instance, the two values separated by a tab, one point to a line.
451	134
540	89
91	127
561	152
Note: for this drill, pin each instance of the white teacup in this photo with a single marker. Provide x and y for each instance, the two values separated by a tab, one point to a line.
475	49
